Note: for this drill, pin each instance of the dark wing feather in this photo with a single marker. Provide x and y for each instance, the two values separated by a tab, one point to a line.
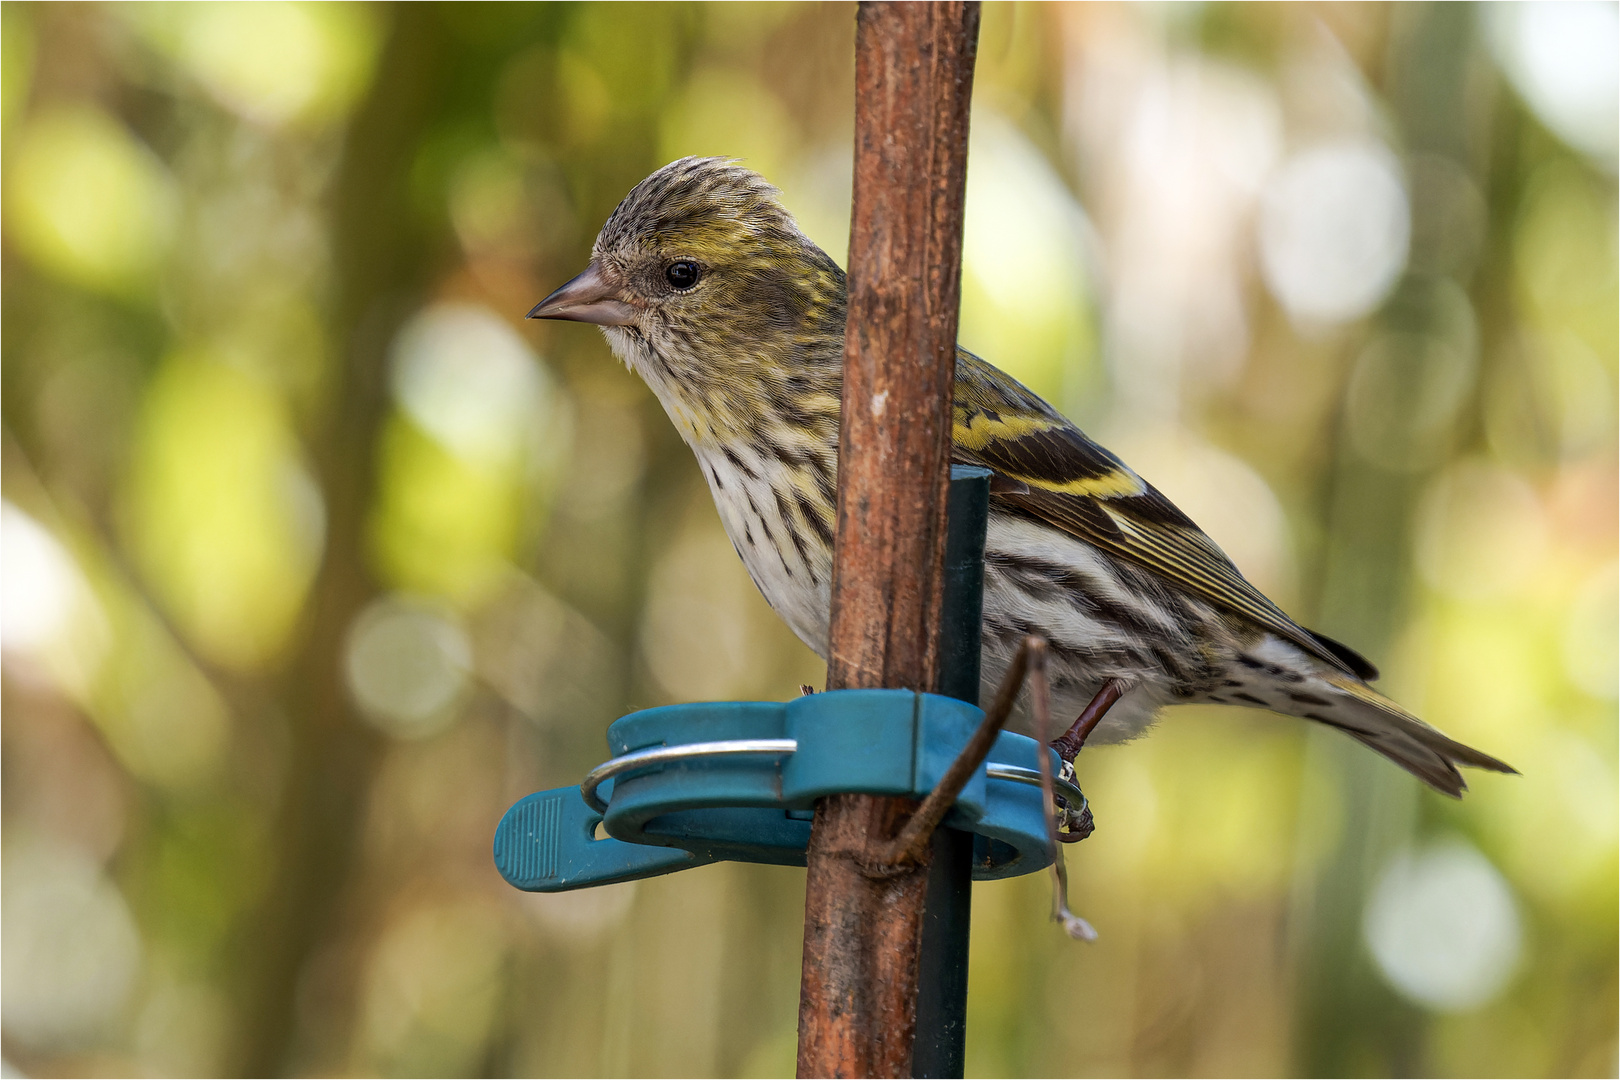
1052	472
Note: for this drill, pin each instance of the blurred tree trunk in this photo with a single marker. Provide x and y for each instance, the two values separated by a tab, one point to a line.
382	266
1349	1021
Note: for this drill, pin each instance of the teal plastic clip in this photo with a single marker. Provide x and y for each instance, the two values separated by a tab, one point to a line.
738	780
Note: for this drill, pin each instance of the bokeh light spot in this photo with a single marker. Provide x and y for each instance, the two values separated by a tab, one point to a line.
1444	928
72	951
164	720
1334	229
491	208
1025	296
704	631
1407	387
1561	57
406	665
724	113
466	378
50	614
1482	532
432	989
87	202
228	524
40	582
271	62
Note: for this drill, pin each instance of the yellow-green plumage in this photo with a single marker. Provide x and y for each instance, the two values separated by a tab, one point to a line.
705	287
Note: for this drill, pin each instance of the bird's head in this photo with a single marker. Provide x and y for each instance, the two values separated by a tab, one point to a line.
701	272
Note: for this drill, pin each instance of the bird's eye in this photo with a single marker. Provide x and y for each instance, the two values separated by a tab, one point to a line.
682	274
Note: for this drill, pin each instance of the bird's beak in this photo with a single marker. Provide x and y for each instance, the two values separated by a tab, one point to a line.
592	297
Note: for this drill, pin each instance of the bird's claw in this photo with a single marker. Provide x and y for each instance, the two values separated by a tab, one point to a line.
1074	825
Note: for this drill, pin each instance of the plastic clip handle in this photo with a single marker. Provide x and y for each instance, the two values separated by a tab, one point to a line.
547	843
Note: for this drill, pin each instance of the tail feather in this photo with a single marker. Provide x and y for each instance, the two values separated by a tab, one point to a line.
1378	723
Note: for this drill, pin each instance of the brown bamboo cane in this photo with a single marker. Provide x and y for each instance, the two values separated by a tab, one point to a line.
914	76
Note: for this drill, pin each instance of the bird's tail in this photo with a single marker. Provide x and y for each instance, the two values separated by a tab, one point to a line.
1377	722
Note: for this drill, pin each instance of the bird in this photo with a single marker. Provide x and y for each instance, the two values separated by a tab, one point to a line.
704	285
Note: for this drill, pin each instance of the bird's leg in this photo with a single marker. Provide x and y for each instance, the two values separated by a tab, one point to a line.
1069	743
1041	702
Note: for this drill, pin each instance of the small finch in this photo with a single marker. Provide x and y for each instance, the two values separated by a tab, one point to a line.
704	286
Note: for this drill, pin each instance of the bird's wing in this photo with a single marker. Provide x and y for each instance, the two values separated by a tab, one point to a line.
1048	470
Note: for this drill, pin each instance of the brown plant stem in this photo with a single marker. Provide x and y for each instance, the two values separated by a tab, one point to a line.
909	848
913	82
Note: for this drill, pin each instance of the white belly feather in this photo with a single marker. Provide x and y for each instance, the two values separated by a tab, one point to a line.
795	579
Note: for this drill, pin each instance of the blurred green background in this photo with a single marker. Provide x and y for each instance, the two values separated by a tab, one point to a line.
316	555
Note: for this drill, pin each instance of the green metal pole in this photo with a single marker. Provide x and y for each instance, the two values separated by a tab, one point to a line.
943	965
